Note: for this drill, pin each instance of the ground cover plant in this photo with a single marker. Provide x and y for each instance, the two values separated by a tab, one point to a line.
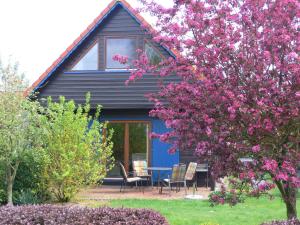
49	214
239	95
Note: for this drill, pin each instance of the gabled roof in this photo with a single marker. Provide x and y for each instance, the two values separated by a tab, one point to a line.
106	12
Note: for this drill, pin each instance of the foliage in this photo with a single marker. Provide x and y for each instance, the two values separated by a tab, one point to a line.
19	123
234	190
25	197
2	196
251	187
48	214
30	182
239	94
77	150
283	222
231	197
56	148
29	186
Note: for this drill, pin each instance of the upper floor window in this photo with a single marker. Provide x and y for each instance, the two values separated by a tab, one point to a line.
119	46
89	61
152	54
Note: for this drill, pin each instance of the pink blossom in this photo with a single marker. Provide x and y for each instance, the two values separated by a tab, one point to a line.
288	167
251	174
282	176
208	131
256	148
250	130
121	59
270	165
208	120
293	55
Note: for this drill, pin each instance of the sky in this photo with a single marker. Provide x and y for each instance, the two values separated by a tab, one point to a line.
35	32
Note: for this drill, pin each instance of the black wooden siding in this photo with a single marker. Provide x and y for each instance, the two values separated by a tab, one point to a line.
107	87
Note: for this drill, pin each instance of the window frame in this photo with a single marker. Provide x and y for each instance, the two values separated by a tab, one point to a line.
135	38
146	41
75	62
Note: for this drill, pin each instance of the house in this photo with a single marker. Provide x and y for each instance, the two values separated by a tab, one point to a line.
87	66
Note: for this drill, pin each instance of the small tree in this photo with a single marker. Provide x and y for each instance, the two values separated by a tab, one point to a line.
77	148
239	94
19	120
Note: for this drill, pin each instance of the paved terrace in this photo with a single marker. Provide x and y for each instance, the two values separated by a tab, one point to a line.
107	192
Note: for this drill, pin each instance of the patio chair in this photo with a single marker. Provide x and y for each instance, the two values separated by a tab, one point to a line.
127	179
203	168
140	170
190	175
177	177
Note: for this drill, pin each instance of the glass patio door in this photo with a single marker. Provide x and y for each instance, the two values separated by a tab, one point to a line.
131	142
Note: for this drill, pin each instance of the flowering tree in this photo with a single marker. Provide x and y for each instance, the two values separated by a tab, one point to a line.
239	94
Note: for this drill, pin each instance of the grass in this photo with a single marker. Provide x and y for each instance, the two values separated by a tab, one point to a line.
184	212
192	212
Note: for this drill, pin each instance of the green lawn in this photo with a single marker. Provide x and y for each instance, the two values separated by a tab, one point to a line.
185	212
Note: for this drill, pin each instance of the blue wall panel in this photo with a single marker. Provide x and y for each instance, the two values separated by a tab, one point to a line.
160	154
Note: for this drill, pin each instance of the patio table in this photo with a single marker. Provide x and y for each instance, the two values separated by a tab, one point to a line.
158	169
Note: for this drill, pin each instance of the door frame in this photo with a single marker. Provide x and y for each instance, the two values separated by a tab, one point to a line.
126	140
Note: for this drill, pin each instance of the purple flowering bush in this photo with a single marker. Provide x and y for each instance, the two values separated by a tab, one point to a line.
235	190
283	222
231	197
49	214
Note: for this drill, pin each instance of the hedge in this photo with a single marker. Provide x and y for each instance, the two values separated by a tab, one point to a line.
51	214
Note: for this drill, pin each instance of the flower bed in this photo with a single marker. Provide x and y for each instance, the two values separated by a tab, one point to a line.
49	214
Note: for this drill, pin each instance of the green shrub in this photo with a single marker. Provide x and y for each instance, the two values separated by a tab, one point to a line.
2	185
26	197
2	196
77	152
30	179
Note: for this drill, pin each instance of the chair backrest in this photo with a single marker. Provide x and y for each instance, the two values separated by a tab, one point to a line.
191	170
123	171
139	156
140	168
202	167
175	173
182	171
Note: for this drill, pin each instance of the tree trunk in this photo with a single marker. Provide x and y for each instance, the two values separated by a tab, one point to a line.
9	181
291	208
289	196
11	172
